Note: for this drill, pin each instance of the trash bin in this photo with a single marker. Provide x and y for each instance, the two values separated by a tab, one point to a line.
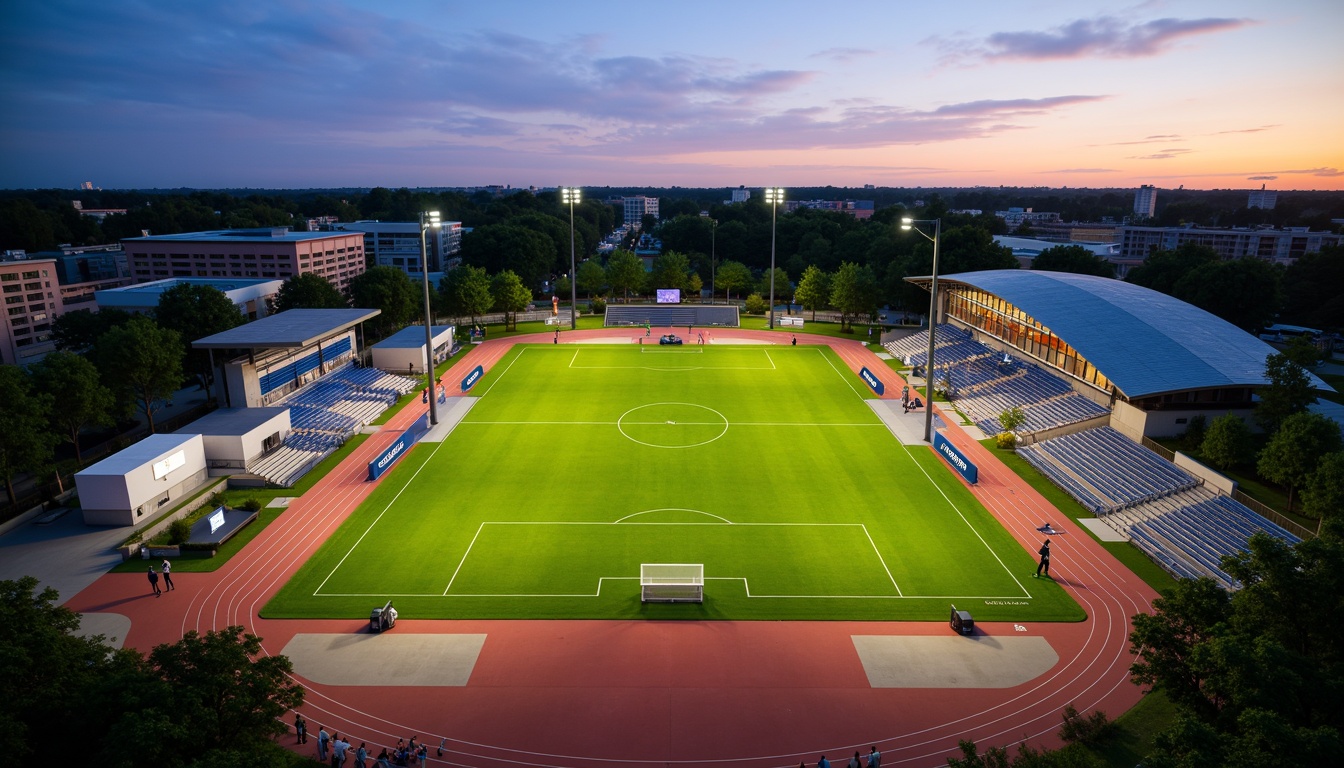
961	622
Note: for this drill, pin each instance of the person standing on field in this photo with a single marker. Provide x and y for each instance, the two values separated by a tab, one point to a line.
874	758
168	576
154	582
1045	560
300	728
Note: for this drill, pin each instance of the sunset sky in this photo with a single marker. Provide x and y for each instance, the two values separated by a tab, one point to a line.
300	93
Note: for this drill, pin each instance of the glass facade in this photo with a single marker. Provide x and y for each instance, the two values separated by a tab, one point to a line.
996	317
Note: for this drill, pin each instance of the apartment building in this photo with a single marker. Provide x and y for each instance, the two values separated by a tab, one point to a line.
32	300
1281	246
275	253
396	244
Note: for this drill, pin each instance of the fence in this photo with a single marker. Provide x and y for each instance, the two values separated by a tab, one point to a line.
1298	530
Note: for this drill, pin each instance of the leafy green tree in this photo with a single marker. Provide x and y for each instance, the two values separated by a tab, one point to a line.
77	331
390	290
84	401
497	247
1162	270
1311	289
145	362
755	304
26	439
814	289
1075	259
670	270
783	290
465	291
1289	391
1324	494
853	292
1244	292
1195	431
695	286
510	297
309	291
592	277
1227	442
733	275
1302	351
1293	453
625	273
197	311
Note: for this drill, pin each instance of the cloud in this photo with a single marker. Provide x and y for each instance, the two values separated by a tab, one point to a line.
843	55
1261	178
1328	172
1082	170
1165	154
1246	130
1104	37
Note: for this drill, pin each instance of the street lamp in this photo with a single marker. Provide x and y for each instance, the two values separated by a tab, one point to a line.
713	235
774	196
570	196
908	224
429	220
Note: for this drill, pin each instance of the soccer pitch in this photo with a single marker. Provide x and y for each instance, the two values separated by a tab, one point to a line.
578	463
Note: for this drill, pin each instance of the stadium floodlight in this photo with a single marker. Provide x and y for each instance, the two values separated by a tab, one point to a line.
909	224
570	196
774	196
429	220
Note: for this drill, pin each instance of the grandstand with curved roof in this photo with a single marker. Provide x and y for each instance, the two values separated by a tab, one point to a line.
1155	360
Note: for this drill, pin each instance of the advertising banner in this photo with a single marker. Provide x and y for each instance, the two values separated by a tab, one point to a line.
472	378
952	456
872	381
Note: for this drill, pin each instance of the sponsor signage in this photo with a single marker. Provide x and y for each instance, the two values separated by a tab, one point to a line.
216	519
872	381
473	377
952	456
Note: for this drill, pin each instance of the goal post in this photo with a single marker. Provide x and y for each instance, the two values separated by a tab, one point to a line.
672	582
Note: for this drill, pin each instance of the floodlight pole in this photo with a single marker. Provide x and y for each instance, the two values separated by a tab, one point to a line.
713	236
570	195
774	196
428	219
933	318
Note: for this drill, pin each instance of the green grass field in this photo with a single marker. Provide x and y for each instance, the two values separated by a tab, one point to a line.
578	463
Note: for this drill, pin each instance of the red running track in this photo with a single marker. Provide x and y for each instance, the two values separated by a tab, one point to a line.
633	694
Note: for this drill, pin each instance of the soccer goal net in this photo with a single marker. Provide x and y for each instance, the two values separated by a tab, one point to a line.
672	582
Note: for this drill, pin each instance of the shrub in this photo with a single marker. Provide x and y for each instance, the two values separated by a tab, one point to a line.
1194	432
217	500
755	305
179	531
251	505
597	306
1005	440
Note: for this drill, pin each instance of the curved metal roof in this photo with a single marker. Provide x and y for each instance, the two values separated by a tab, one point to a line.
1145	342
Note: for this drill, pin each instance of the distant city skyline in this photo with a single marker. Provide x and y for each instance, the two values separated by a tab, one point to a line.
423	93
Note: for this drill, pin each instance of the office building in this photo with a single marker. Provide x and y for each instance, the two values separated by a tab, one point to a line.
1262	198
636	207
1281	246
32	300
1145	201
274	252
396	244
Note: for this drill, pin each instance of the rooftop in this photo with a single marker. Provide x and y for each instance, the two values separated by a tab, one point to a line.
262	234
291	329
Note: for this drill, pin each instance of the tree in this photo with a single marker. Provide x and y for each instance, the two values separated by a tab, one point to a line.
1227	442
197	311
853	292
465	291
144	361
1324	494
1288	392
387	289
77	331
1244	292
814	289
755	304
591	277
510	296
1010	419
1293	453
670	270
695	286
625	273
25	437
497	247
1075	259
309	291
733	275
1255	675
85	402
1309	298
1162	270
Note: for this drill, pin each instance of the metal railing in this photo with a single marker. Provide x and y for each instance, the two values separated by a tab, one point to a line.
1297	529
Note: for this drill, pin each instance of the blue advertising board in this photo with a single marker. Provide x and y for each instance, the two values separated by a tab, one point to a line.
472	378
872	381
398	448
959	462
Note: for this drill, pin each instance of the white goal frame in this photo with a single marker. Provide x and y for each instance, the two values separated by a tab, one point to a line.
672	582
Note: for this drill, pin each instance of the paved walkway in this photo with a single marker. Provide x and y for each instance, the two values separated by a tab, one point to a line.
601	694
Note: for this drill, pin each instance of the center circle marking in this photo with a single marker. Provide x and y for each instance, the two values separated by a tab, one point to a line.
672	425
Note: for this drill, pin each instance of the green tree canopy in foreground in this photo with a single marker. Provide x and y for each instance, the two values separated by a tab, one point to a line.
1293	453
1256	675
309	291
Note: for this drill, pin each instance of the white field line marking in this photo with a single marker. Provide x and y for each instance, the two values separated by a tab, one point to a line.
390	502
745	585
465	555
733	424
773	367
521	349
881	560
841	375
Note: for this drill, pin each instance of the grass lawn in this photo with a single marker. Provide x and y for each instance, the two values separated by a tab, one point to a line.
577	464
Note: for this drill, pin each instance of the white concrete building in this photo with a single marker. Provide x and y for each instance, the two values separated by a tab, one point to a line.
404	351
252	296
235	437
132	485
1145	200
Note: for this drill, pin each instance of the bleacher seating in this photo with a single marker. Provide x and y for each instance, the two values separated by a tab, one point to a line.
1184	527
325	413
665	315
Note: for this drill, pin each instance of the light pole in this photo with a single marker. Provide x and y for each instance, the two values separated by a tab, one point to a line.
774	196
908	224
713	236
570	196
429	219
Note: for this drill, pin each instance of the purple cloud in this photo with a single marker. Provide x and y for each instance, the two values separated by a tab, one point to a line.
1165	154
1105	36
1261	178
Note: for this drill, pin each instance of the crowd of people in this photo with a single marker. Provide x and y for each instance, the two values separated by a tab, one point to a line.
340	751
